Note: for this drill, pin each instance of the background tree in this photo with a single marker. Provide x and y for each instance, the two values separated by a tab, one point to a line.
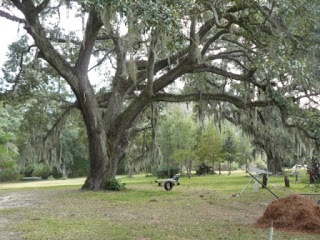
209	149
177	136
229	149
144	153
9	154
243	149
186	157
184	137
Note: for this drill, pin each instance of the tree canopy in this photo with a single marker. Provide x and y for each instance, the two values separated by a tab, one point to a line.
250	62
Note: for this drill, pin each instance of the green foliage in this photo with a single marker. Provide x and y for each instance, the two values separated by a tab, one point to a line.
184	155
165	172
74	152
282	52
227	167
151	13
9	120
203	169
261	164
243	149
144	16
56	173
229	147
29	170
42	138
182	143
80	169
183	128
9	174
177	136
5	157
209	148
41	170
143	153
114	185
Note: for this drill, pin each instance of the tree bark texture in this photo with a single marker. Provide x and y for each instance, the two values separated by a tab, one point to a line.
96	138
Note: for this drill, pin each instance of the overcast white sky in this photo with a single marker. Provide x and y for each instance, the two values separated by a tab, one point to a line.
9	34
11	31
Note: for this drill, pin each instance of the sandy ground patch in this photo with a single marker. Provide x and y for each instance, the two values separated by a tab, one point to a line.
14	201
39	184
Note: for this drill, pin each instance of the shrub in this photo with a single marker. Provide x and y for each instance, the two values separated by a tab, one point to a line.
261	164
41	170
163	172
79	173
225	166
29	170
203	169
9	175
114	185
55	173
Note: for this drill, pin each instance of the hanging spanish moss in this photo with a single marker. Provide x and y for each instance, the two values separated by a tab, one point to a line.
46	149
106	15
132	71
156	153
144	152
268	135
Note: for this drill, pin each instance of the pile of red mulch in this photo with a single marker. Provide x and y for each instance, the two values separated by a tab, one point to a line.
295	213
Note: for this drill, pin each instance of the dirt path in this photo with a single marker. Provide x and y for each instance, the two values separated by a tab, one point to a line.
11	201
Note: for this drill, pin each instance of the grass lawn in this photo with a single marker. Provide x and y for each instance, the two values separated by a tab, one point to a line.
200	208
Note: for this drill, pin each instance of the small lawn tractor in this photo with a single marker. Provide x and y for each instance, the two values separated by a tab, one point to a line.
170	182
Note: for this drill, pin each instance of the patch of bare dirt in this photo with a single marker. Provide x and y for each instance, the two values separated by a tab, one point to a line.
16	200
13	200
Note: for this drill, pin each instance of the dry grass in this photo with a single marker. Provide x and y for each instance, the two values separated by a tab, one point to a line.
40	184
201	208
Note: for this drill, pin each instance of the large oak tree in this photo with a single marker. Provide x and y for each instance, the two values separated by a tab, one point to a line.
243	50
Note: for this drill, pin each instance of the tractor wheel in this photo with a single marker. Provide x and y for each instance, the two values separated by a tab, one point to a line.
168	185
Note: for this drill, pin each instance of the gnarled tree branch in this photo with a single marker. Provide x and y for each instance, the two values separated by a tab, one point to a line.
12	17
236	101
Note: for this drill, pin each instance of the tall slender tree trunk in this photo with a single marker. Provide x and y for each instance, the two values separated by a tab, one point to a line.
247	166
213	167
189	168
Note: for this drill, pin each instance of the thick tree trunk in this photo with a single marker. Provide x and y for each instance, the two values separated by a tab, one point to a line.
117	146
98	158
274	165
96	137
278	165
247	165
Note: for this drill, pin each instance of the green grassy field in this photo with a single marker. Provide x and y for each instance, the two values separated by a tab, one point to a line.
200	208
